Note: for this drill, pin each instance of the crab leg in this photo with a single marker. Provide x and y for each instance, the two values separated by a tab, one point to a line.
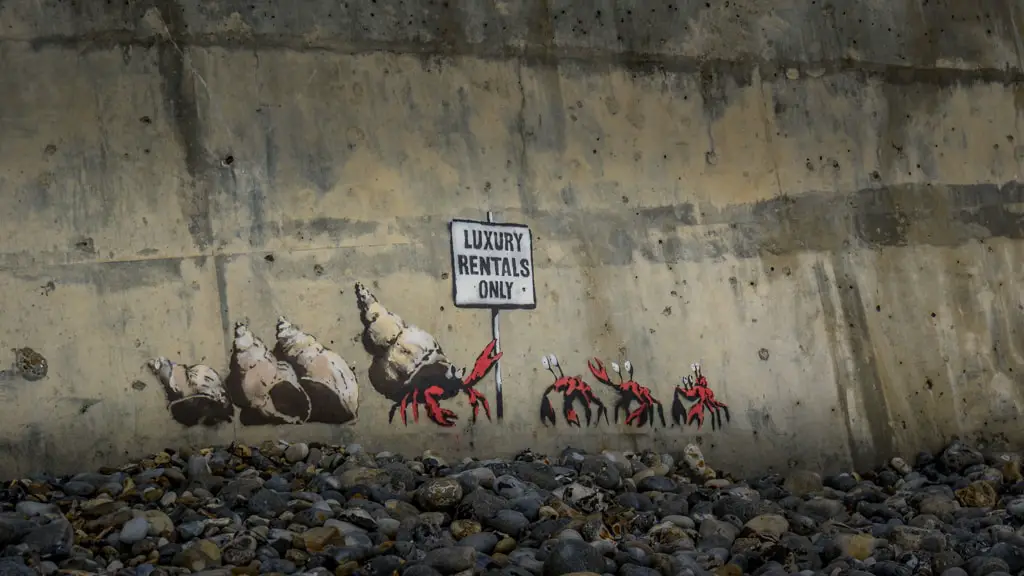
567	410
440	416
696	413
405	401
636	413
476	399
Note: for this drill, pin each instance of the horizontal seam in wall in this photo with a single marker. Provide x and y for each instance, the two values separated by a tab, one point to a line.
196	255
895	73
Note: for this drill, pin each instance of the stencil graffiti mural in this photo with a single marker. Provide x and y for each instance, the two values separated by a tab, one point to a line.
410	368
572	389
300	381
695	389
629	391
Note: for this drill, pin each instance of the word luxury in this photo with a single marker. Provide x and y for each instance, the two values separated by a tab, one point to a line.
492	240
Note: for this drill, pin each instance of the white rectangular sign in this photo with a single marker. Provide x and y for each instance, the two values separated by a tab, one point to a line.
492	265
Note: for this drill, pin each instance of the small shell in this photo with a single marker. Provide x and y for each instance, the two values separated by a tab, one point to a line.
195	394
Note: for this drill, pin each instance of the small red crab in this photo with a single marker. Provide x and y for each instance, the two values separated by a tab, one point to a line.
441	381
629	391
695	388
572	388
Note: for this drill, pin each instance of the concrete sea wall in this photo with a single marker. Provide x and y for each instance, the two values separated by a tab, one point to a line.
818	203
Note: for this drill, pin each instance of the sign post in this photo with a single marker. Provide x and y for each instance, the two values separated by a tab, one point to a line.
492	267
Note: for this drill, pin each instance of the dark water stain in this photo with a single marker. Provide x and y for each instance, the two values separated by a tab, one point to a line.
760	420
31	446
848	326
785	225
714	99
453	123
867	375
179	97
109	277
220	272
257	217
831	322
620	248
337	229
568	196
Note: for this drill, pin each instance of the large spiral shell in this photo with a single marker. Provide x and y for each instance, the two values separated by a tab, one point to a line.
322	373
399	349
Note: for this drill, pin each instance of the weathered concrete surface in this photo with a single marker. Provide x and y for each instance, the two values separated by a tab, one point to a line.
835	183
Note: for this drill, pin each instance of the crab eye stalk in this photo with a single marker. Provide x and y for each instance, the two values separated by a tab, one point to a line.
615	367
553	360
544	362
629	368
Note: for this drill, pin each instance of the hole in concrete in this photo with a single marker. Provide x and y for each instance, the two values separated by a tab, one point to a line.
269	258
85	245
228	160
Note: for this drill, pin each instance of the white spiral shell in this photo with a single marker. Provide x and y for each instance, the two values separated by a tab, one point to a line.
324	375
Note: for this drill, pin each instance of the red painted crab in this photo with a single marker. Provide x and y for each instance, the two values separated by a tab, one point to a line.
695	388
629	391
441	381
572	388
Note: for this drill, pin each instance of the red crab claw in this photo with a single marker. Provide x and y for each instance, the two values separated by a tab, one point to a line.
476	399
440	416
483	364
598	370
690	393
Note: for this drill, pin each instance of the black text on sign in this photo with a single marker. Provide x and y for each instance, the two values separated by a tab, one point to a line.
492	265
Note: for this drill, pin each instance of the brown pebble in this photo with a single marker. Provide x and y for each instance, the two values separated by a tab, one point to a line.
297	556
347	569
505	545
